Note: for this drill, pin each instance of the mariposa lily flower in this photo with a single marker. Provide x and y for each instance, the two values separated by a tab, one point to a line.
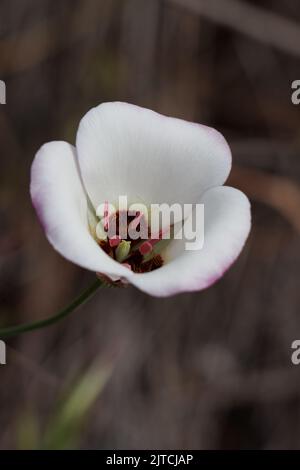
122	149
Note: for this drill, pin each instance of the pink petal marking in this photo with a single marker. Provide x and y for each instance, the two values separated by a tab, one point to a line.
126	265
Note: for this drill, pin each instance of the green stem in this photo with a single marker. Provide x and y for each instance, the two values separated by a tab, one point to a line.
80	300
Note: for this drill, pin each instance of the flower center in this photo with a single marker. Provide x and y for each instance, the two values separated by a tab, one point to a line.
126	239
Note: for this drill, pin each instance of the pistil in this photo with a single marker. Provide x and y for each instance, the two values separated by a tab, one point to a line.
136	254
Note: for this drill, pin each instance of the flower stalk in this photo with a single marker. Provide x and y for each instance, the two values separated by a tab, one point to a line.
77	302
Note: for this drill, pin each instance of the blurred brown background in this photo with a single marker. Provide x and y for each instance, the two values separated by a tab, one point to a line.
205	370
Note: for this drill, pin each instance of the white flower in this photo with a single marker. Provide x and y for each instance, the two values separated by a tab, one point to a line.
122	149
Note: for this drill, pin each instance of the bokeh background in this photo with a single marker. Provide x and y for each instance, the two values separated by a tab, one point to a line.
208	370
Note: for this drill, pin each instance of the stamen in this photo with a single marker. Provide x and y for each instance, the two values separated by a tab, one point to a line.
123	250
106	216
114	241
148	245
146	248
134	249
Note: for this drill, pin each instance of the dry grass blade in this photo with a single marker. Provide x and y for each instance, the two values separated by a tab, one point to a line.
256	22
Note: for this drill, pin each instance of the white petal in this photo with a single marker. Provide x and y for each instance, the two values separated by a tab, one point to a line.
127	150
227	224
61	205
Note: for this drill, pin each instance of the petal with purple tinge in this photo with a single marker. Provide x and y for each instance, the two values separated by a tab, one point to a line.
227	222
60	202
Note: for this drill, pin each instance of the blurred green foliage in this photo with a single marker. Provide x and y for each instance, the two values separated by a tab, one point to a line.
65	426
